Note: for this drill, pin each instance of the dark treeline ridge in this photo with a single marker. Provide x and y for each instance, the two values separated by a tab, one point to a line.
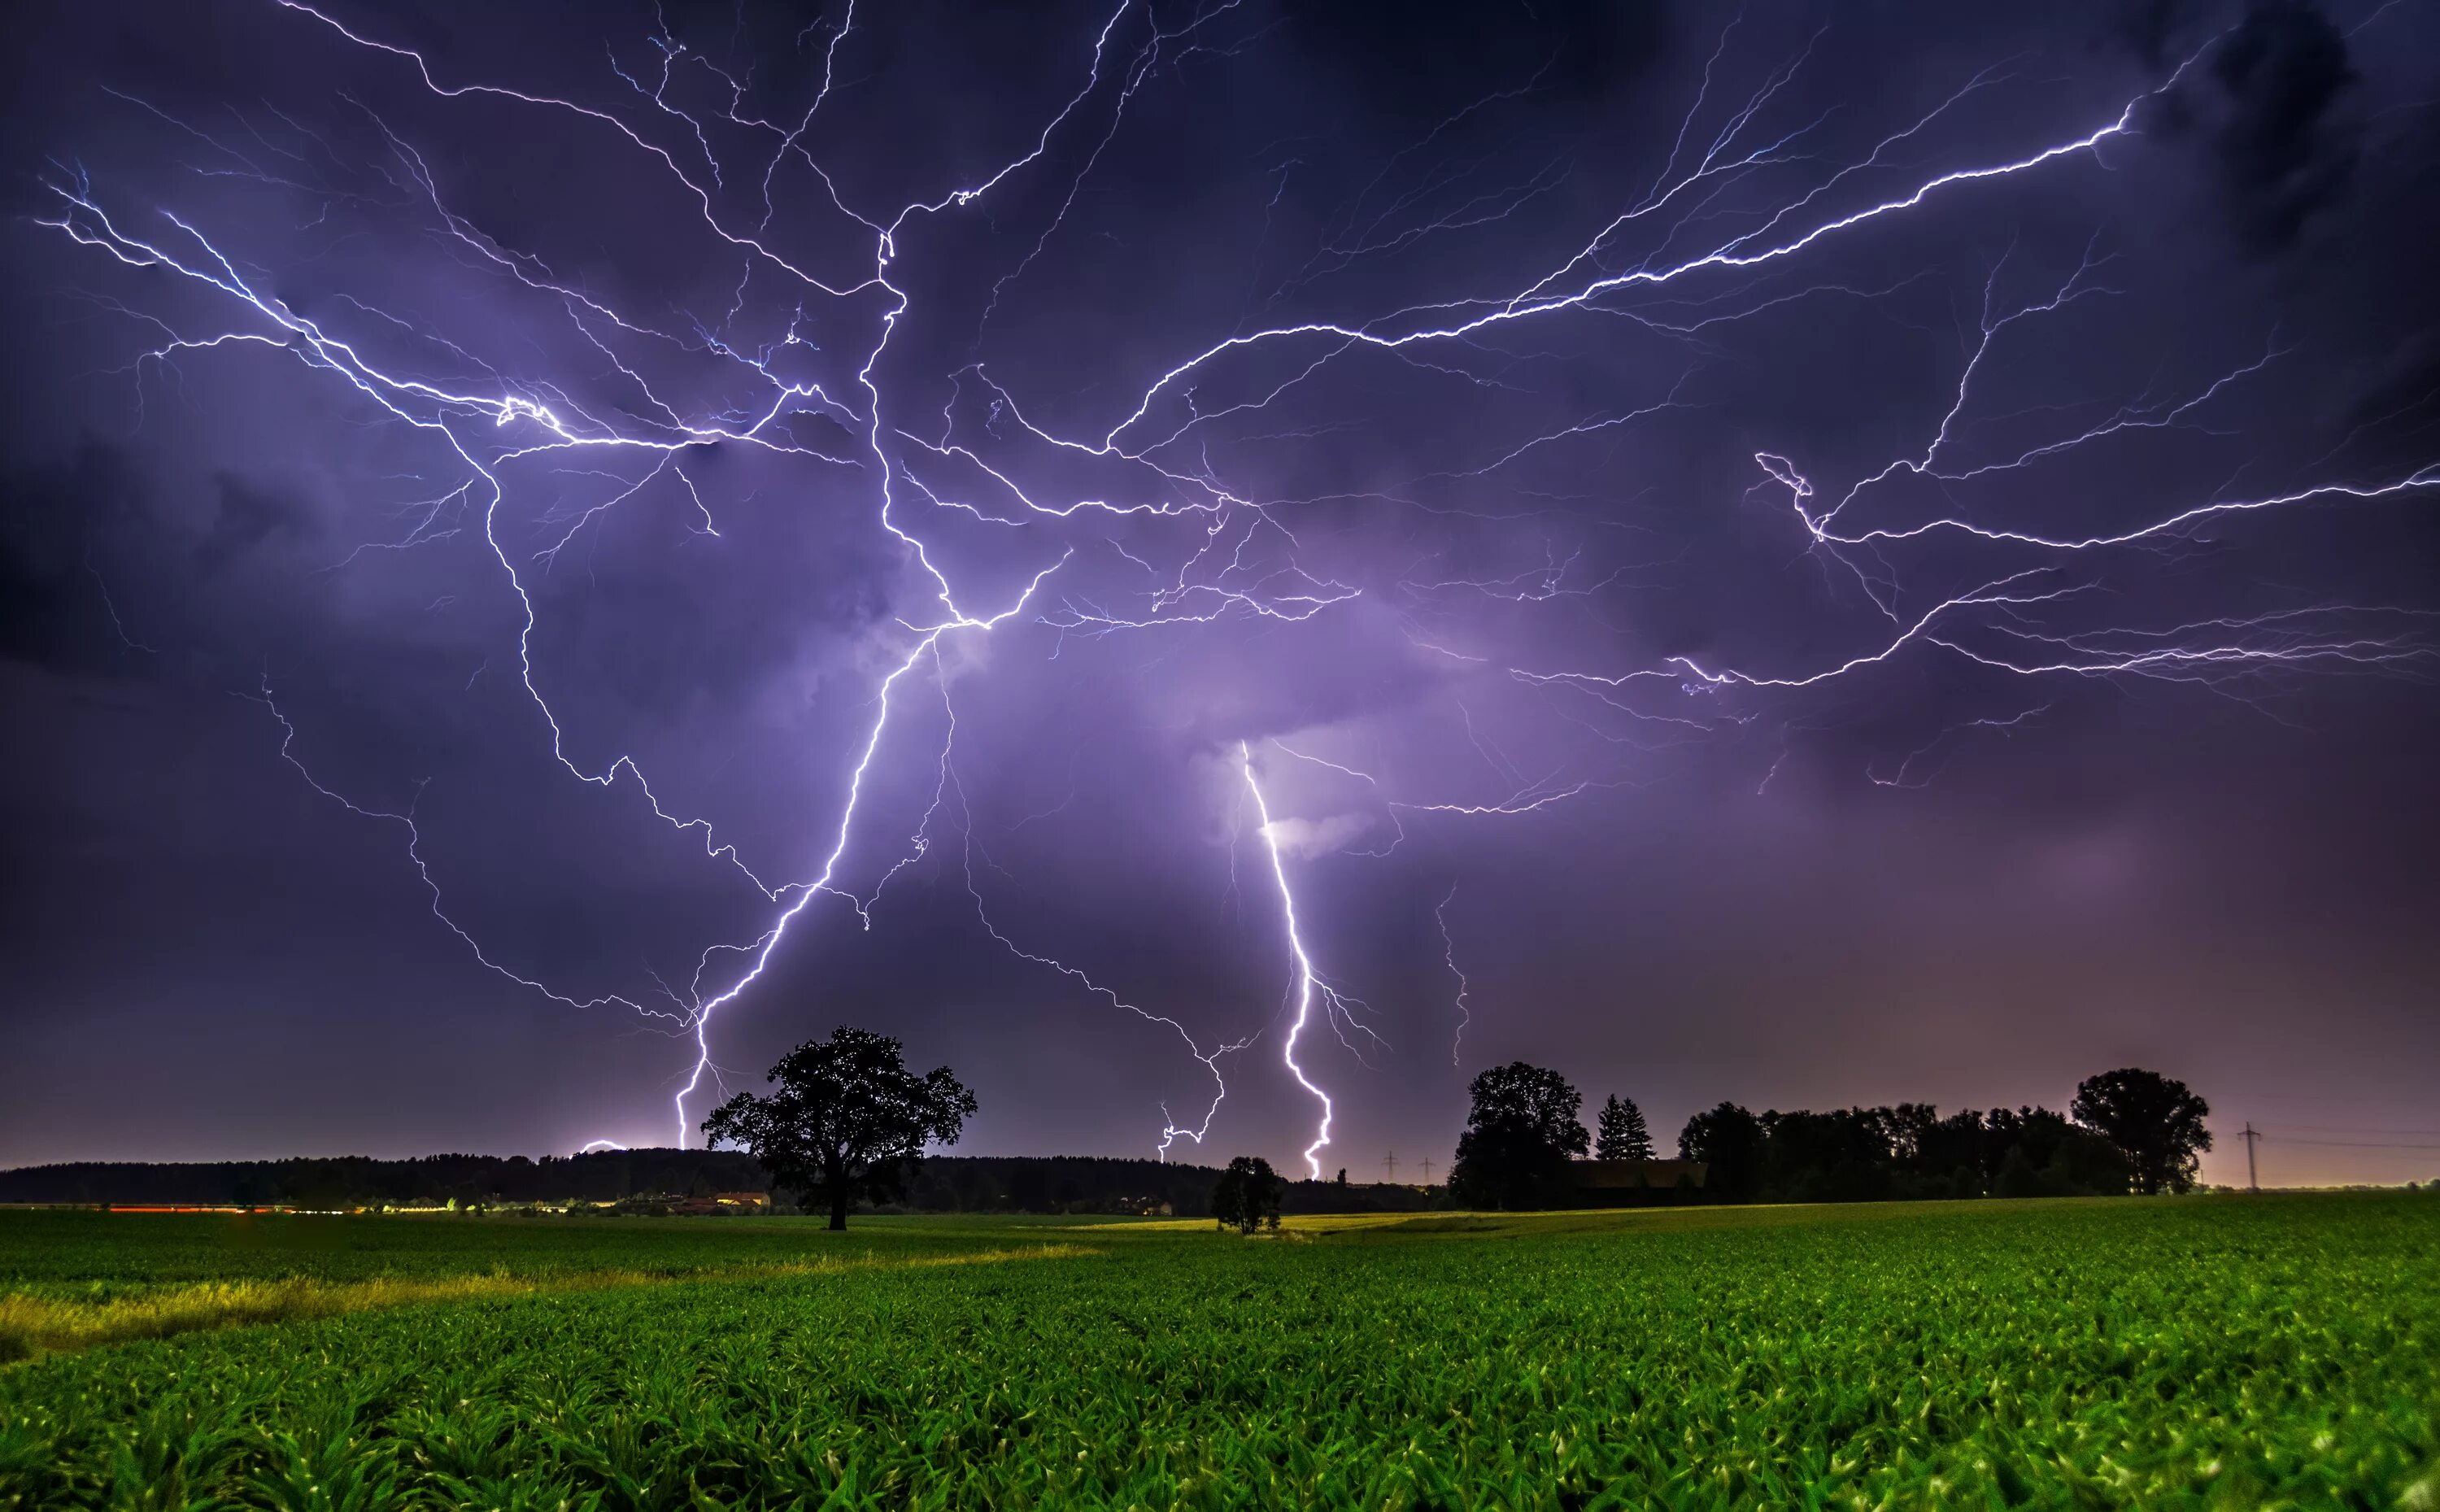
1847	1155
1074	1183
1904	1153
942	1184
357	1180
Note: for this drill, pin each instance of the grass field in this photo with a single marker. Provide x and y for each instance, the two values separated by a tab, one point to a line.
2201	1352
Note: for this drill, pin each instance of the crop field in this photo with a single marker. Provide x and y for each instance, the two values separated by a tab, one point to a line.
2279	1351
63	1253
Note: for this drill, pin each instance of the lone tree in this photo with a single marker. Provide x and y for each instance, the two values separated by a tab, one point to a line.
2156	1121
1518	1136
1247	1195
1623	1135
848	1120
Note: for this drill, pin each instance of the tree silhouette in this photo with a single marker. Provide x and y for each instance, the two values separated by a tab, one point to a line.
1623	1135
2156	1121
848	1120
1729	1140
1517	1138
1247	1195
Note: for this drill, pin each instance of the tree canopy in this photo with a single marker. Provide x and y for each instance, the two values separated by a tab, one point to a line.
1247	1195
848	1120
1623	1136
1730	1140
2156	1121
1518	1135
1896	1154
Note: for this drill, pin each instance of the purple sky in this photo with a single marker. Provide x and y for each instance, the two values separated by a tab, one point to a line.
1829	558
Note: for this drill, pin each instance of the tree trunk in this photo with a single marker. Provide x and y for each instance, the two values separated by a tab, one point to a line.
836	1171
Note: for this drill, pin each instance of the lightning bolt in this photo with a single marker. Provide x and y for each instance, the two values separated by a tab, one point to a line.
1170	498
1448	958
1306	985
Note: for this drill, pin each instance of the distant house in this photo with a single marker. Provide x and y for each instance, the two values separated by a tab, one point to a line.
1633	1183
743	1201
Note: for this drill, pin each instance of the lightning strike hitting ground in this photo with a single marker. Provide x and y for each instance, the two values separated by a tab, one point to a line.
1305	985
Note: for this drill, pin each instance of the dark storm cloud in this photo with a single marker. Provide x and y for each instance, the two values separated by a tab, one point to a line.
1421	64
52	599
1924	878
2151	26
2400	399
2272	106
247	515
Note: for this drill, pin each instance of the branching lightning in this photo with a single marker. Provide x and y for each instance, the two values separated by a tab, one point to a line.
1204	543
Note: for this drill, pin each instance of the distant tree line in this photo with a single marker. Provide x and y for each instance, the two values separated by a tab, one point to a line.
944	1183
2127	1130
1088	1183
429	1180
1903	1153
848	1123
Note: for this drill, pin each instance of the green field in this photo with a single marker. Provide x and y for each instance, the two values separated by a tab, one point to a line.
2198	1352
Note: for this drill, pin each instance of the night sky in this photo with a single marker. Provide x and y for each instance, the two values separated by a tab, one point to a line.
1842	554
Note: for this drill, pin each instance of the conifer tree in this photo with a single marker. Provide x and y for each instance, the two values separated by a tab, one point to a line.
1623	1134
